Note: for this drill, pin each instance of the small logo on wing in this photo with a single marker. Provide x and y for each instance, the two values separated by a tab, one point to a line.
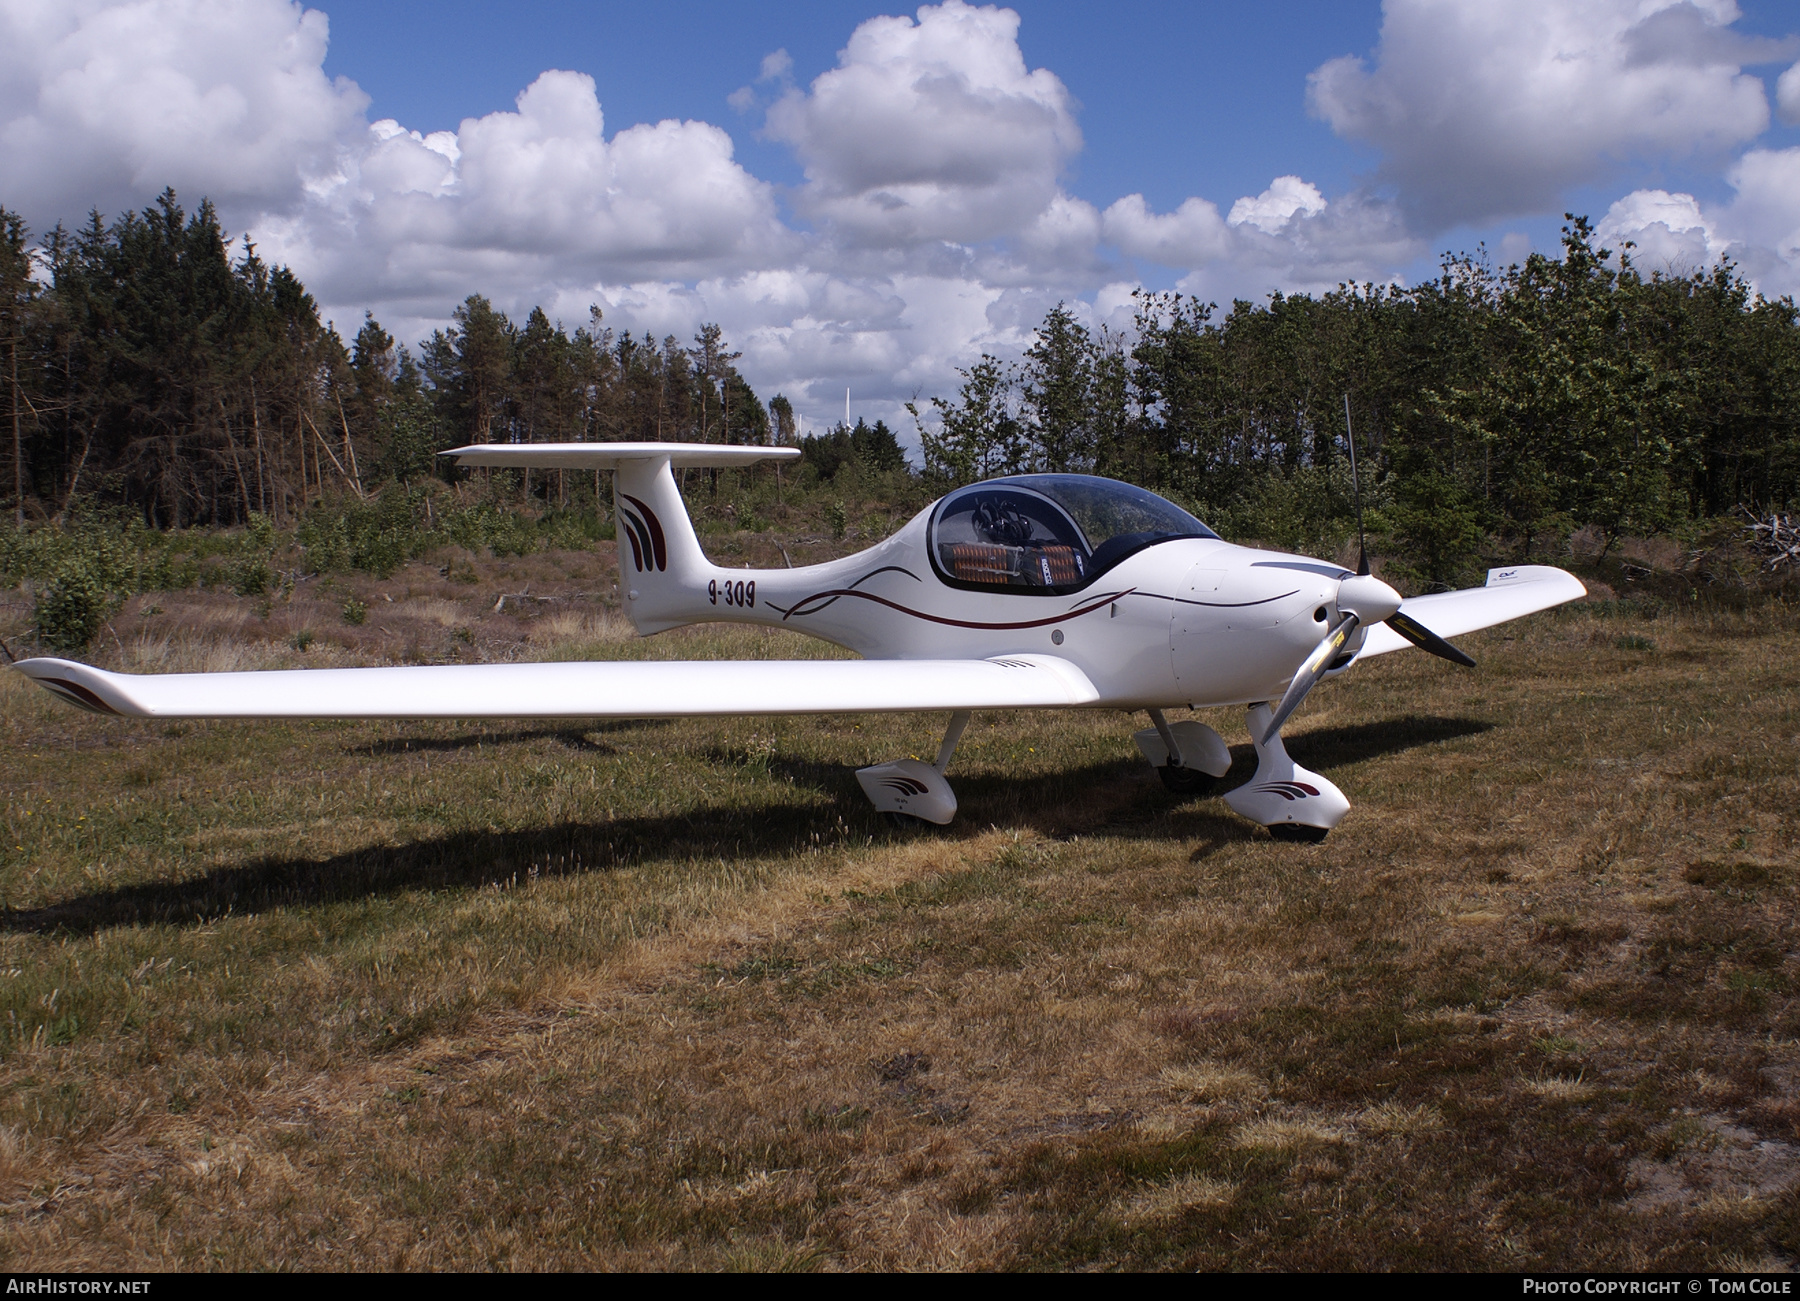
645	533
1289	790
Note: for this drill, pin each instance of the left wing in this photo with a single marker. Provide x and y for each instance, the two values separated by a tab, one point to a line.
1509	594
611	689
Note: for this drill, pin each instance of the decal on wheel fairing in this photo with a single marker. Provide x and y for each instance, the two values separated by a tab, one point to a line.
1289	790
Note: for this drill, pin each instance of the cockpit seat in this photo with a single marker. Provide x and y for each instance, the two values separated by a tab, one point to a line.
992	562
983	562
1064	565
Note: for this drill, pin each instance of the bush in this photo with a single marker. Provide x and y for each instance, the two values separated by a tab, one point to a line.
505	533
376	537
252	576
355	612
71	608
574	530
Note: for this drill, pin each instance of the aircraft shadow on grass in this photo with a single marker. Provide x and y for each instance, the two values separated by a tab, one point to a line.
1326	748
1114	797
575	736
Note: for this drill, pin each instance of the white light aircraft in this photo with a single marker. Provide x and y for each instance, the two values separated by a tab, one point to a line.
1036	591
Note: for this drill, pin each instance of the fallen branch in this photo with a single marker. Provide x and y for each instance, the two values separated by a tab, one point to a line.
1775	538
354	485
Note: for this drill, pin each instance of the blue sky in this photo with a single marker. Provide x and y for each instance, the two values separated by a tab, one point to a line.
907	189
1175	99
1170	95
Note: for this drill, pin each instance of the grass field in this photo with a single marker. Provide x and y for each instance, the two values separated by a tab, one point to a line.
372	995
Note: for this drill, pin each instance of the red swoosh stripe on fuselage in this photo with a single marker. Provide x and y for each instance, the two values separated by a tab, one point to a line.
835	593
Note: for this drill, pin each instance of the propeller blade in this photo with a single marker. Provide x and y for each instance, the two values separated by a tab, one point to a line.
1309	673
1426	640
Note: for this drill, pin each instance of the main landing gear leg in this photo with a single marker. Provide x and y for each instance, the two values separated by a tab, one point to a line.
1292	802
910	792
1189	757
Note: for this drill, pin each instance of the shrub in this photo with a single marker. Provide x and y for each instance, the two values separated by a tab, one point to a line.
71	607
505	533
355	612
376	537
252	576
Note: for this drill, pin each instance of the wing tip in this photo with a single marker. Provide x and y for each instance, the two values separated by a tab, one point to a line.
81	685
1520	574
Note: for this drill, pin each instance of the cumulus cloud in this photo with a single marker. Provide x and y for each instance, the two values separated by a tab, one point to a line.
930	130
1684	33
1669	231
1763	219
776	66
1191	236
101	104
1288	238
1275	207
522	204
1484	111
936	222
1759	228
1787	96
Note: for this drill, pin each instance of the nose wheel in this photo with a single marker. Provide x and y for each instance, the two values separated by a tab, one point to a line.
1298	833
1294	803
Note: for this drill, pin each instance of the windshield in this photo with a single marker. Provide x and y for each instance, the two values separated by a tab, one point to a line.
1049	533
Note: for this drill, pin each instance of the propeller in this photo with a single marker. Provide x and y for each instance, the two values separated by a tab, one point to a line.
1310	672
1426	640
1361	600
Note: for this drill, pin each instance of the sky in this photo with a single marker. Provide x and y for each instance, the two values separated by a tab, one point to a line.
871	197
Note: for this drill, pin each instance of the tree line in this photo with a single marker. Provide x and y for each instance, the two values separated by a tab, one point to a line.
152	365
1494	409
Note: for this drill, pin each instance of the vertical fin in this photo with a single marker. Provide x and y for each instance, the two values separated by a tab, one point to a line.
665	576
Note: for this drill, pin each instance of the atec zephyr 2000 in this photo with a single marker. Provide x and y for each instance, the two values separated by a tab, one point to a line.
1036	591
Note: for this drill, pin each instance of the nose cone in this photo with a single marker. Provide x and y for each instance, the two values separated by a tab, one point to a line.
1368	598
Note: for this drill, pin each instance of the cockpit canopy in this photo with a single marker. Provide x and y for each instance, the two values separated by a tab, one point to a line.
1049	533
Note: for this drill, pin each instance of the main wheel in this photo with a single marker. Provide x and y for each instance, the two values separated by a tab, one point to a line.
905	821
1189	783
1298	833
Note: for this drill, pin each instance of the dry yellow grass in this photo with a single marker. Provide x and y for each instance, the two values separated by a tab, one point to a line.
1180	1195
1208	1082
668	995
